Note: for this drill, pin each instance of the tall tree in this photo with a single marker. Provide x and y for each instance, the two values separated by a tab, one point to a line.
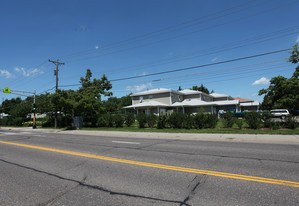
283	92
201	88
86	101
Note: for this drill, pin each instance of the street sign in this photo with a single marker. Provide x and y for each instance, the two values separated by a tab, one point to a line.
6	90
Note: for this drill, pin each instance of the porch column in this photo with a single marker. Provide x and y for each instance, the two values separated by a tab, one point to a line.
183	110
158	111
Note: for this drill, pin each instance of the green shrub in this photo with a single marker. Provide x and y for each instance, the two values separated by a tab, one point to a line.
175	120
162	122
253	119
101	121
48	122
228	119
275	125
64	121
266	118
15	121
239	123
105	120
141	118
3	122
188	121
211	121
200	120
291	123
118	120
129	119
28	124
151	120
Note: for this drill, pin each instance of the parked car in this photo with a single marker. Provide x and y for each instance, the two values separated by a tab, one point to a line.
281	113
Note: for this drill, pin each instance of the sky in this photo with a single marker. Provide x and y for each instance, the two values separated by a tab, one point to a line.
140	39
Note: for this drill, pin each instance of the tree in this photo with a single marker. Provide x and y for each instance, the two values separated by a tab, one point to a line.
201	88
283	92
115	105
86	101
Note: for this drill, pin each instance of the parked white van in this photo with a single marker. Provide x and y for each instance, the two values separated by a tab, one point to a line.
282	113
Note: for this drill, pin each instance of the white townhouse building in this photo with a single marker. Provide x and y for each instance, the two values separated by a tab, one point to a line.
163	101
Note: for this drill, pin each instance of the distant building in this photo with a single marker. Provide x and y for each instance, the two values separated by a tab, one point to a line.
3	115
162	101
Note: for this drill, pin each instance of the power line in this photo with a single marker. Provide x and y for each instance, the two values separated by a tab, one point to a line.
200	66
189	68
221	47
178	36
201	73
157	32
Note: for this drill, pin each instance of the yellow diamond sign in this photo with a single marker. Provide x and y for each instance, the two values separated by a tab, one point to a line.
6	90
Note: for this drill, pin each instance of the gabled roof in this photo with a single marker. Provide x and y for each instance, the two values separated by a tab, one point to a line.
243	100
153	91
189	91
197	102
150	103
216	95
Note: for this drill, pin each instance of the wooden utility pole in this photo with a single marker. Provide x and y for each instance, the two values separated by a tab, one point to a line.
57	63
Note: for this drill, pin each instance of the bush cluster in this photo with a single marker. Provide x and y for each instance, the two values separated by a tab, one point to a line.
200	120
108	120
256	121
228	119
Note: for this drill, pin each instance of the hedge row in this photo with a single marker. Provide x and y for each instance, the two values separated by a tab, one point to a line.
198	121
175	120
256	120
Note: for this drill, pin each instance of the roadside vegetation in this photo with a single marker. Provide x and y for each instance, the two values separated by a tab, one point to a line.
253	123
86	102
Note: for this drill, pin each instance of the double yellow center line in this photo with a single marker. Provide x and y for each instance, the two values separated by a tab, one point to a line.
160	166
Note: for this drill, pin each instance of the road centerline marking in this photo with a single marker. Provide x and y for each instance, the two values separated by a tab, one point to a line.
122	142
160	166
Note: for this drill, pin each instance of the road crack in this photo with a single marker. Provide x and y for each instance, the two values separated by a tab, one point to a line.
197	181
95	187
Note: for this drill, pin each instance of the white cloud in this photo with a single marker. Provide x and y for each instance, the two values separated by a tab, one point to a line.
29	72
137	88
6	74
82	28
96	47
297	39
262	80
143	74
214	59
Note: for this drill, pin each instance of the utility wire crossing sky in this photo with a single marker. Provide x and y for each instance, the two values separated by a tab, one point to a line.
163	44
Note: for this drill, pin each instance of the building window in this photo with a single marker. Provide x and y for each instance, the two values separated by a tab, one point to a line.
150	96
140	99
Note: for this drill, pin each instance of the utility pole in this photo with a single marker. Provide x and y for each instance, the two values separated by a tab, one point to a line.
57	63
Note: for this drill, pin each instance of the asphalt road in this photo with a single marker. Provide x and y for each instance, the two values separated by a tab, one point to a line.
66	169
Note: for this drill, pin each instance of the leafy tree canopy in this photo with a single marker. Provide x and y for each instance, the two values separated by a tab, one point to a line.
283	92
201	88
